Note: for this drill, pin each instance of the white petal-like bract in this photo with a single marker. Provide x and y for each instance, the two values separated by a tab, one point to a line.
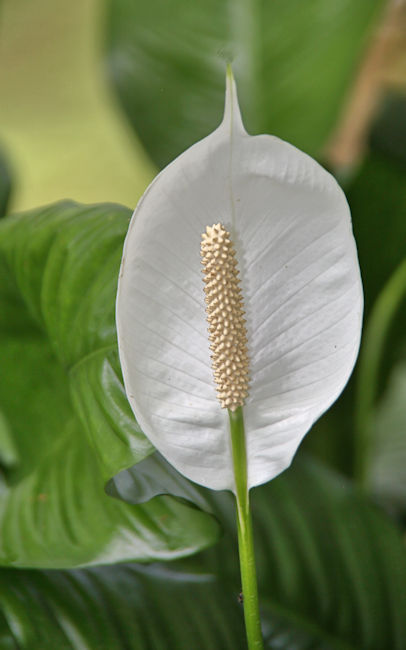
291	227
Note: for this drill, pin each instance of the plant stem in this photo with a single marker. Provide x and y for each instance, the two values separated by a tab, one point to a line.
245	536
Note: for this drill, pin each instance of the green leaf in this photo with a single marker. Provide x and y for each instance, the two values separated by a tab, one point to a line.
118	607
64	261
389	131
385	471
370	366
152	477
332	575
98	395
8	451
61	381
5	184
294	62
378	204
377	200
331	567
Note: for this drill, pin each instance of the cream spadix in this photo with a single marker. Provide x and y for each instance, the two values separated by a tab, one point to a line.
225	315
290	225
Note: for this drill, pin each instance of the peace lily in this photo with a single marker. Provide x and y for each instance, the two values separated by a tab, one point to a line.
290	225
294	272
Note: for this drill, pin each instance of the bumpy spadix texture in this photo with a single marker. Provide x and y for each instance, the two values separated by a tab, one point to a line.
225	316
291	228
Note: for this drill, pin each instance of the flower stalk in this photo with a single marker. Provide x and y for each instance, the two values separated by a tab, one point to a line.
245	534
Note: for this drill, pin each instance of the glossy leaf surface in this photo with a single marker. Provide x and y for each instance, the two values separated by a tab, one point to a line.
332	575
61	389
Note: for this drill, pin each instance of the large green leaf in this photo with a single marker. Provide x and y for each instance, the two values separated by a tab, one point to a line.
294	61
62	263
332	574
113	608
331	567
60	380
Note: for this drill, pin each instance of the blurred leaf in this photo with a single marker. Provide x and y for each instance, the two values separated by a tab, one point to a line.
370	366
377	199
332	576
118	607
59	268
5	184
386	475
8	451
58	120
331	567
294	62
378	202
331	438
389	131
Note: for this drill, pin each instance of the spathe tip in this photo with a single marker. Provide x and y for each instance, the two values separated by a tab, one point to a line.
232	115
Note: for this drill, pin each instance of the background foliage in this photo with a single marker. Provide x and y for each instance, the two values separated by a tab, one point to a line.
330	530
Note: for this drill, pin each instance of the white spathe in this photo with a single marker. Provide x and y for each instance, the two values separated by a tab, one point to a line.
291	227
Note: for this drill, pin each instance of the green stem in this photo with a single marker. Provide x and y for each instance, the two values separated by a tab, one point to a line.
245	536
